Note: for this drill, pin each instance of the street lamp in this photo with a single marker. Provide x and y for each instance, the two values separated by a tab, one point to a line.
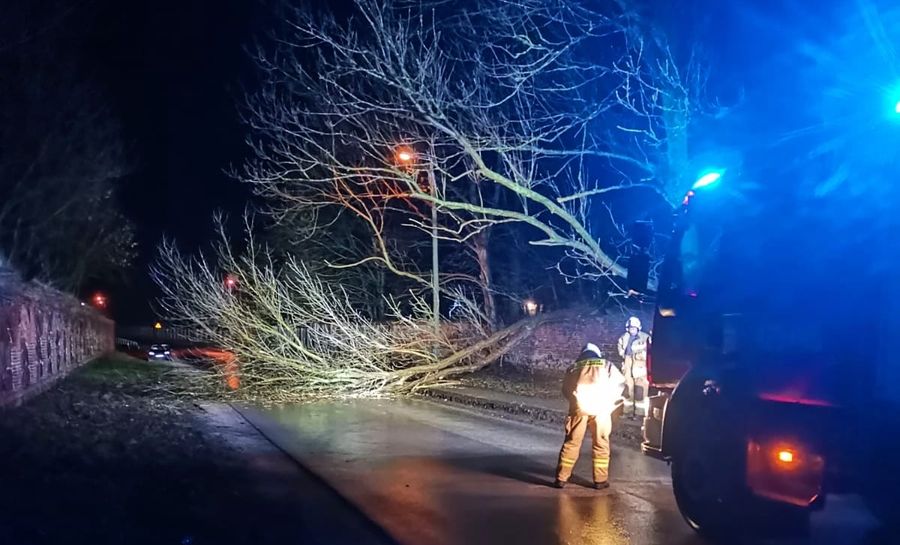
230	281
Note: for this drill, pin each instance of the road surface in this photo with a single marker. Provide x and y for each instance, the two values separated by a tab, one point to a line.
435	475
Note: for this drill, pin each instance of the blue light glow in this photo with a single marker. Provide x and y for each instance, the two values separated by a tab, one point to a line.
707	179
897	107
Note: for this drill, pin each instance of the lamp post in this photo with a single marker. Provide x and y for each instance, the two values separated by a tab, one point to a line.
406	156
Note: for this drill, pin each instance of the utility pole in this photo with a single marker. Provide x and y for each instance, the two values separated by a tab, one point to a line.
435	287
407	157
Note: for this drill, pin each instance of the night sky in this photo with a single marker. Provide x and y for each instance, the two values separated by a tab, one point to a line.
175	70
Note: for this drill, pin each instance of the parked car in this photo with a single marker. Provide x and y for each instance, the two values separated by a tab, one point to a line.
159	352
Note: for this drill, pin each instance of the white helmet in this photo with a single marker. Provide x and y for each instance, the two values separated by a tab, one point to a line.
634	321
594	349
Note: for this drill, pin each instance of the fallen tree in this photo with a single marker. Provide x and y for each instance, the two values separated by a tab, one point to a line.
289	336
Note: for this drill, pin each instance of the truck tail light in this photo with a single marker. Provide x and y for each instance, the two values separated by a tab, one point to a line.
785	457
784	471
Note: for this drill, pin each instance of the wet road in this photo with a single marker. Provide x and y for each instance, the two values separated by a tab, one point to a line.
430	474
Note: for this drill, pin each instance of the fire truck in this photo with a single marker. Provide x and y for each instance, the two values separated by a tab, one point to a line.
773	365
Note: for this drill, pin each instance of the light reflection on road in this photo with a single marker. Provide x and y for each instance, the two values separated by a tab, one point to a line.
432	475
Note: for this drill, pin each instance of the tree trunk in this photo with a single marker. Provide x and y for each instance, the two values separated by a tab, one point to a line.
551	280
482	253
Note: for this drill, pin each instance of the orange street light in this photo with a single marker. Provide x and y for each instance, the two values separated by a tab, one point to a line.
157	326
230	281
405	155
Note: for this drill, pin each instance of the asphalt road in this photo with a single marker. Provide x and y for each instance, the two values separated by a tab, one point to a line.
436	475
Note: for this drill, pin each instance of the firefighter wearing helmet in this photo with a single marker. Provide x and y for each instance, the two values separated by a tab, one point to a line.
633	345
593	387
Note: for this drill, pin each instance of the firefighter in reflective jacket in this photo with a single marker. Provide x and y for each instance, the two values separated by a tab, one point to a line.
633	346
593	387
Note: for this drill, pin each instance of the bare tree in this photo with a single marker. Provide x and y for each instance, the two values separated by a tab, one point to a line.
319	243
61	154
295	337
551	103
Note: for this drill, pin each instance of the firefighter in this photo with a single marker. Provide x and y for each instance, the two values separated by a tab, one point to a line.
633	346
593	386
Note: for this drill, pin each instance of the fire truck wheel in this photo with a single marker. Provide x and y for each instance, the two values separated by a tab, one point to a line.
697	496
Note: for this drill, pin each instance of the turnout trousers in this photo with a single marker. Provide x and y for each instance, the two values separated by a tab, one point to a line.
638	379
576	426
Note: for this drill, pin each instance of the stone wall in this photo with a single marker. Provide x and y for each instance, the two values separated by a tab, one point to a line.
555	345
44	334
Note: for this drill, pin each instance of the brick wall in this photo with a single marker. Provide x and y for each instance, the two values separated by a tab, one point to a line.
554	346
44	334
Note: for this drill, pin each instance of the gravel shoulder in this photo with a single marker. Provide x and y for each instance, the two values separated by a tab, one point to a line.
539	385
111	455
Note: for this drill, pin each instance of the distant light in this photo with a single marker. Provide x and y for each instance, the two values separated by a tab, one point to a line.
99	300
707	179
531	307
786	456
157	325
897	107
404	156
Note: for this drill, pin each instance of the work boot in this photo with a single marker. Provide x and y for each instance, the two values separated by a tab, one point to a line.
601	486
559	484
